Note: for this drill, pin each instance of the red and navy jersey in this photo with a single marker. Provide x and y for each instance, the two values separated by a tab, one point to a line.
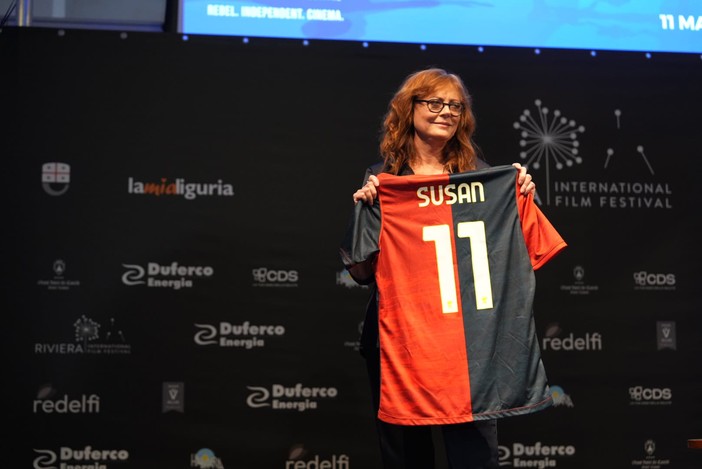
455	275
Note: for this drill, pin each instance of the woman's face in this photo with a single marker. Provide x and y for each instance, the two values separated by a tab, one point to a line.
436	127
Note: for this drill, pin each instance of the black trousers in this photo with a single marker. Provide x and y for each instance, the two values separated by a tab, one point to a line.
470	445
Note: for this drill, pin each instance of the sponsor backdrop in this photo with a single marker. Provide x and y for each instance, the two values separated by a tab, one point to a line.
175	293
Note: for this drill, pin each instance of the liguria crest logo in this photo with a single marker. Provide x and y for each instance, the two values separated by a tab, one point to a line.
55	178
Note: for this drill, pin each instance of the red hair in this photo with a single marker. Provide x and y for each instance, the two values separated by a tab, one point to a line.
397	143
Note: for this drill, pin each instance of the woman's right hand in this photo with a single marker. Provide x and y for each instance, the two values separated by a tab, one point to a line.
368	192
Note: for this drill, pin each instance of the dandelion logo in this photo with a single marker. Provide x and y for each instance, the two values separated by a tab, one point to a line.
87	330
548	139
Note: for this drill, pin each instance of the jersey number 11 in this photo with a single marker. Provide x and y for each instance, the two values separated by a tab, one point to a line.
441	236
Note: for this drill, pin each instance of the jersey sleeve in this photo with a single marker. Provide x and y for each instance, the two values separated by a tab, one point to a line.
542	240
359	246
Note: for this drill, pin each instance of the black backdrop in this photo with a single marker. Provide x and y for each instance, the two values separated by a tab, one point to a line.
151	325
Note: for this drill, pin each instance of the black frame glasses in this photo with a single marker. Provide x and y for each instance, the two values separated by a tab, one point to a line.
437	105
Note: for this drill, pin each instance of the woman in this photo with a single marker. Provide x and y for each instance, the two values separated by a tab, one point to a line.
427	130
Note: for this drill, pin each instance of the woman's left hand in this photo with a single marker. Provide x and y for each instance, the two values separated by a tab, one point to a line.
525	181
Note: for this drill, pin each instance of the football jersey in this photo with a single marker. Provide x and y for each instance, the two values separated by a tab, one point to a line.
455	275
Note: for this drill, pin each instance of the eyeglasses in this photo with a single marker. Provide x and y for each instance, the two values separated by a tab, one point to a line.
437	105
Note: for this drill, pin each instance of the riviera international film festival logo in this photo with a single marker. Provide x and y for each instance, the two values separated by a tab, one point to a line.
179	187
90	337
550	143
173	275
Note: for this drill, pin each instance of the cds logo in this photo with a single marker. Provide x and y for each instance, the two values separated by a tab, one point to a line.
649	281
86	458
161	276
265	277
55	178
298	397
650	396
245	335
